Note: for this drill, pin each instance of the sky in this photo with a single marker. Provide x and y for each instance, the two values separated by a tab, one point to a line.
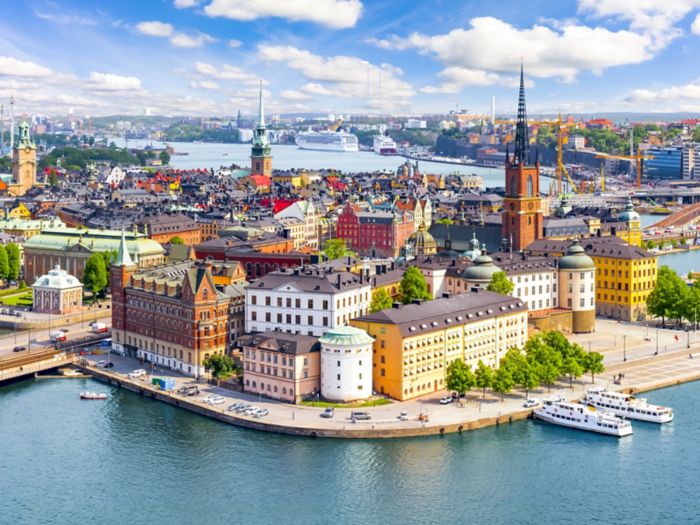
209	57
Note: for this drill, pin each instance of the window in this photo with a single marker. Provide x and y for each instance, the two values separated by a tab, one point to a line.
382	359
254	299
279	301
529	186
382	343
297	303
382	372
268	301
253	315
310	303
325	305
325	321
310	319
289	302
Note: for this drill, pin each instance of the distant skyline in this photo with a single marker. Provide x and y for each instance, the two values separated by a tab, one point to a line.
206	57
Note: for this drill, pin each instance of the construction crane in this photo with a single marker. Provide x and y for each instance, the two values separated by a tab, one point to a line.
639	157
563	138
335	126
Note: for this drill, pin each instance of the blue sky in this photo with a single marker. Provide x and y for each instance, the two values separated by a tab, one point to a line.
362	56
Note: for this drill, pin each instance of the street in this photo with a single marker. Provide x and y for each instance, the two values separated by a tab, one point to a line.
40	338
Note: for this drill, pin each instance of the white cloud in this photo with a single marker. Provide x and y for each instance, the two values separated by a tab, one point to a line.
176	38
343	76
292	94
233	43
493	46
204	84
685	97
155	28
183	4
65	18
455	78
110	82
695	28
227	72
336	14
189	41
12	67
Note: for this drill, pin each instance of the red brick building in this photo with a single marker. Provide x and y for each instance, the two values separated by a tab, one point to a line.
375	233
172	315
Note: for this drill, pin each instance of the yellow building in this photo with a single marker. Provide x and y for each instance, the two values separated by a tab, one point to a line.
28	228
415	343
625	274
633	233
293	179
20	212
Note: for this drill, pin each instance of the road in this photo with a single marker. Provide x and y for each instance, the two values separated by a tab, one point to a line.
40	338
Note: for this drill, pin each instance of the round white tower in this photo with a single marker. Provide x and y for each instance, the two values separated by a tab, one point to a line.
346	364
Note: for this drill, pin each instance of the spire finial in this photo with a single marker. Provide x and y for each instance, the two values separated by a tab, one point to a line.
261	110
123	257
521	139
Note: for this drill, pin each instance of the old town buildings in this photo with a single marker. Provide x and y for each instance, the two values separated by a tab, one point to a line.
373	232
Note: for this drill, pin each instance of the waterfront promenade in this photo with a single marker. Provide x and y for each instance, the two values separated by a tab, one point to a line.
641	373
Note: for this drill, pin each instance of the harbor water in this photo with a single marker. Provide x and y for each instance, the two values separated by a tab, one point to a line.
135	460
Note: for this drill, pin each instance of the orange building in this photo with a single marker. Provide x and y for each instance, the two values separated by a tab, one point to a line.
162	229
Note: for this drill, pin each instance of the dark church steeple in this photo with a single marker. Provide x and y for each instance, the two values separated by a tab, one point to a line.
522	143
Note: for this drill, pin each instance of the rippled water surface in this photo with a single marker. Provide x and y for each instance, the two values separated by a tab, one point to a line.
132	460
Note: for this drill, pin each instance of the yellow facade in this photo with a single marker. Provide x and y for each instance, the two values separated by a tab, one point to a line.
20	212
633	235
623	285
409	367
293	179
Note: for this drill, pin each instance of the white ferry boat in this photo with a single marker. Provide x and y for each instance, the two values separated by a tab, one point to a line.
383	145
327	141
625	405
582	417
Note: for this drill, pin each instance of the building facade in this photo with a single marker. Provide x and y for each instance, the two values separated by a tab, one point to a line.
57	293
375	233
414	344
281	366
346	364
307	300
23	163
162	228
260	155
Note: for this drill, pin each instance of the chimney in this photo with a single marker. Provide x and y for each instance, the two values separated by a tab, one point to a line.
339	276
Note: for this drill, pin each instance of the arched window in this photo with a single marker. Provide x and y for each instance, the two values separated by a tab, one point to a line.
529	185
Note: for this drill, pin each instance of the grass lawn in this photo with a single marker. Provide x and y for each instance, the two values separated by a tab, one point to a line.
369	403
21	299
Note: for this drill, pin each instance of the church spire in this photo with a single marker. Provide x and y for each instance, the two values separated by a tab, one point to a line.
522	144
123	257
261	110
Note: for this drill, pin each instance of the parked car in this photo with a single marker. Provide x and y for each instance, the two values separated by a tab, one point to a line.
58	336
328	412
531	403
242	407
214	399
359	415
19	348
134	374
403	416
108	364
191	390
65	330
261	412
445	400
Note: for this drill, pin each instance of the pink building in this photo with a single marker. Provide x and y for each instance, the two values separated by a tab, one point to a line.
57	293
281	366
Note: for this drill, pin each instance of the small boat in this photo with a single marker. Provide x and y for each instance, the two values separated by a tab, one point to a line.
625	405
582	417
101	396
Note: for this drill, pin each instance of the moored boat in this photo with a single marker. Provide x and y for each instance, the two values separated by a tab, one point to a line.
582	417
626	405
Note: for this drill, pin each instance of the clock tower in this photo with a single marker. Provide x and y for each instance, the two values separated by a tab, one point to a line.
522	221
260	155
23	163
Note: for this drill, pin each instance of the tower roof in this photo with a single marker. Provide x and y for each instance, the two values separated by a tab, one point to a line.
123	257
522	144
261	110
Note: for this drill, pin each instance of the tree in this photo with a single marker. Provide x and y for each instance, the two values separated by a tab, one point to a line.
573	369
445	220
459	377
336	248
164	157
669	296
221	366
483	377
381	300
548	373
593	363
13	263
500	284
413	286
177	240
4	264
53	180
95	273
528	378
502	381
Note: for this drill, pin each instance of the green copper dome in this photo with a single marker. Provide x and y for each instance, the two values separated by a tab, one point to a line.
346	336
629	214
482	270
576	259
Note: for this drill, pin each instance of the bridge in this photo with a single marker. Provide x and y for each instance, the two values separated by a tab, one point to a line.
15	367
689	214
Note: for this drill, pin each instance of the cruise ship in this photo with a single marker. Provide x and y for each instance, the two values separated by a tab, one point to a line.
384	145
327	141
625	405
582	417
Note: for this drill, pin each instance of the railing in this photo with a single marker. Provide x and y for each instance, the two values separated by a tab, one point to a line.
36	366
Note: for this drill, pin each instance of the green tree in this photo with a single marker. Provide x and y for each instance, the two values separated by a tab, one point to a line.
528	378
53	180
500	284
502	381
13	263
593	363
573	369
177	240
336	248
220	365
696	134
413	286
445	220
669	297
483	377
381	300
95	274
459	377
164	157
4	263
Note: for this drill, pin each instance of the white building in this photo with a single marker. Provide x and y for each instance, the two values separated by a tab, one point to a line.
57	293
346	364
414	123
304	211
308	300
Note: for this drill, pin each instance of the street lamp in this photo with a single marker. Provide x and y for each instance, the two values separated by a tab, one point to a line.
624	347
687	333
657	341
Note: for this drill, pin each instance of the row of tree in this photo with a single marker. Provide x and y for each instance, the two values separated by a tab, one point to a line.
673	299
9	262
96	273
545	358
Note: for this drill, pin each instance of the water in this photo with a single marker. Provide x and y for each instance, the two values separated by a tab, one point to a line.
134	460
211	155
682	262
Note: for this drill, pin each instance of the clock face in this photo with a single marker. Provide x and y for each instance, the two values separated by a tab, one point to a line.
512	206
27	150
531	206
